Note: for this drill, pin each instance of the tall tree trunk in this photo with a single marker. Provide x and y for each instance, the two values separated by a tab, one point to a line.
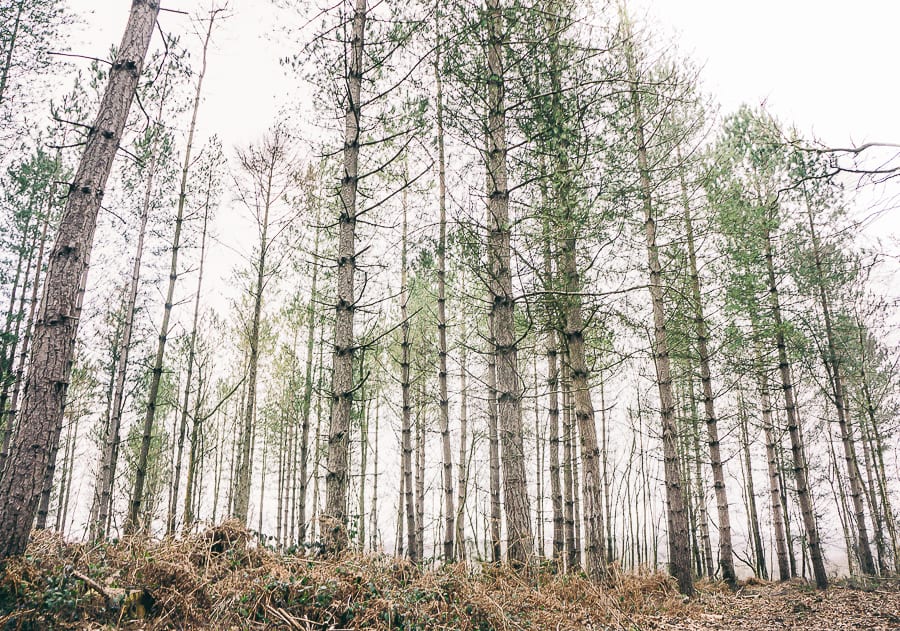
753	515
405	386
583	409
872	496
538	460
420	472
702	516
176	478
365	407
156	376
794	430
26	341
444	402
509	395
334	517
37	438
877	449
462	481
775	490
308	387
833	367
242	492
555	483
677	518
493	450
11	333
726	554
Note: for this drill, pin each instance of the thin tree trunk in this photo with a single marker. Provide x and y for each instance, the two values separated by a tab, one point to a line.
444	402
405	386
679	544
26	342
493	450
420	473
569	469
833	367
4	77
703	516
462	481
156	375
753	515
726	554
775	490
14	317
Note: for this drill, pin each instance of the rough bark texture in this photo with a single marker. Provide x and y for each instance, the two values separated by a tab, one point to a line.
784	568
406	403
509	392
833	367
308	391
334	516
794	431
493	450
444	402
677	518
701	330
37	437
462	481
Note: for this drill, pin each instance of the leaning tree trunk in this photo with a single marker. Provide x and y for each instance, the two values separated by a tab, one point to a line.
794	431
509	395
677	518
192	345
37	438
334	516
109	456
726	554
137	492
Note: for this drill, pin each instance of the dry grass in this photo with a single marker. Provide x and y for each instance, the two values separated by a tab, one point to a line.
221	579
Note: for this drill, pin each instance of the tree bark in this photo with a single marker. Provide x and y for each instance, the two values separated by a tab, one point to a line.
794	430
677	518
334	517
462	481
308	387
444	402
156	376
37	438
509	392
833	367
726	554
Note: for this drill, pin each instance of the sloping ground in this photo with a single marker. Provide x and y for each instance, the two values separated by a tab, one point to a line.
221	580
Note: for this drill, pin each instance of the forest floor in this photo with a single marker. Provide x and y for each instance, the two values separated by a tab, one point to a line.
221	579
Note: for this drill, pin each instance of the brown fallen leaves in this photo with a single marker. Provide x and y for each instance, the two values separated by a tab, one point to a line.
222	579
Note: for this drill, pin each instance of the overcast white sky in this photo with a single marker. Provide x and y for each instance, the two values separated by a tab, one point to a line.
828	66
